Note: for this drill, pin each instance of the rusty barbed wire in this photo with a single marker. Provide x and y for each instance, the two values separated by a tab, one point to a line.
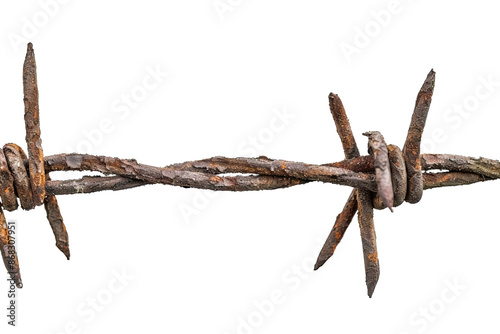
385	178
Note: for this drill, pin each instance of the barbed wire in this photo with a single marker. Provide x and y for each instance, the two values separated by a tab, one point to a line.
385	178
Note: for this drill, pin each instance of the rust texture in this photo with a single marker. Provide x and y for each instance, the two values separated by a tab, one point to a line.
339	228
363	198
398	178
384	178
368	239
351	152
9	254
17	161
378	149
343	127
56	222
203	173
398	174
411	150
32	122
7	194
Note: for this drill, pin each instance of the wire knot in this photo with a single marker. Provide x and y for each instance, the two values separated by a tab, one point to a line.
393	184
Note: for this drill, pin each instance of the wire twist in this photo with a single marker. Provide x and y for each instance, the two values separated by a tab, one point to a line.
24	177
385	178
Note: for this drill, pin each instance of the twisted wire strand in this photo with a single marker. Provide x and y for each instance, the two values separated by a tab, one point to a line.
385	178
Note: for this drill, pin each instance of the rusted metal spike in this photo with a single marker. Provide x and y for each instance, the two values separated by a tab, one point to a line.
344	219
364	205
56	222
337	233
366	225
411	150
343	127
32	122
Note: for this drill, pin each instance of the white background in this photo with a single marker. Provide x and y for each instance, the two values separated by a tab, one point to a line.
230	71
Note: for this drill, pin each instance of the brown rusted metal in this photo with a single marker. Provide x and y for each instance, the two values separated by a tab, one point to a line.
351	152
7	192
343	127
9	253
398	178
451	179
378	149
342	222
17	161
411	150
32	122
408	173
56	222
368	239
398	174
364	202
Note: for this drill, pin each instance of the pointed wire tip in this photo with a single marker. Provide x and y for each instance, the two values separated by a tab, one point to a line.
323	257
29	60
371	288
319	264
333	97
325	253
30	52
429	82
431	75
16	277
371	283
64	249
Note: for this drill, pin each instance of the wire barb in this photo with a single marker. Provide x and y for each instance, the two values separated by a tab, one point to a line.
385	178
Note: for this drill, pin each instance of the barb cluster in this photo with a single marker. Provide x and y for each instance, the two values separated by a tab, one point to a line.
398	176
385	178
25	177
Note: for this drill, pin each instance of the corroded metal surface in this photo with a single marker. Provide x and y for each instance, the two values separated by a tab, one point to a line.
385	178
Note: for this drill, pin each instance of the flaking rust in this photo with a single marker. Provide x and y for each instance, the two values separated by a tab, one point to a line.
32	122
411	149
380	153
8	250
385	178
